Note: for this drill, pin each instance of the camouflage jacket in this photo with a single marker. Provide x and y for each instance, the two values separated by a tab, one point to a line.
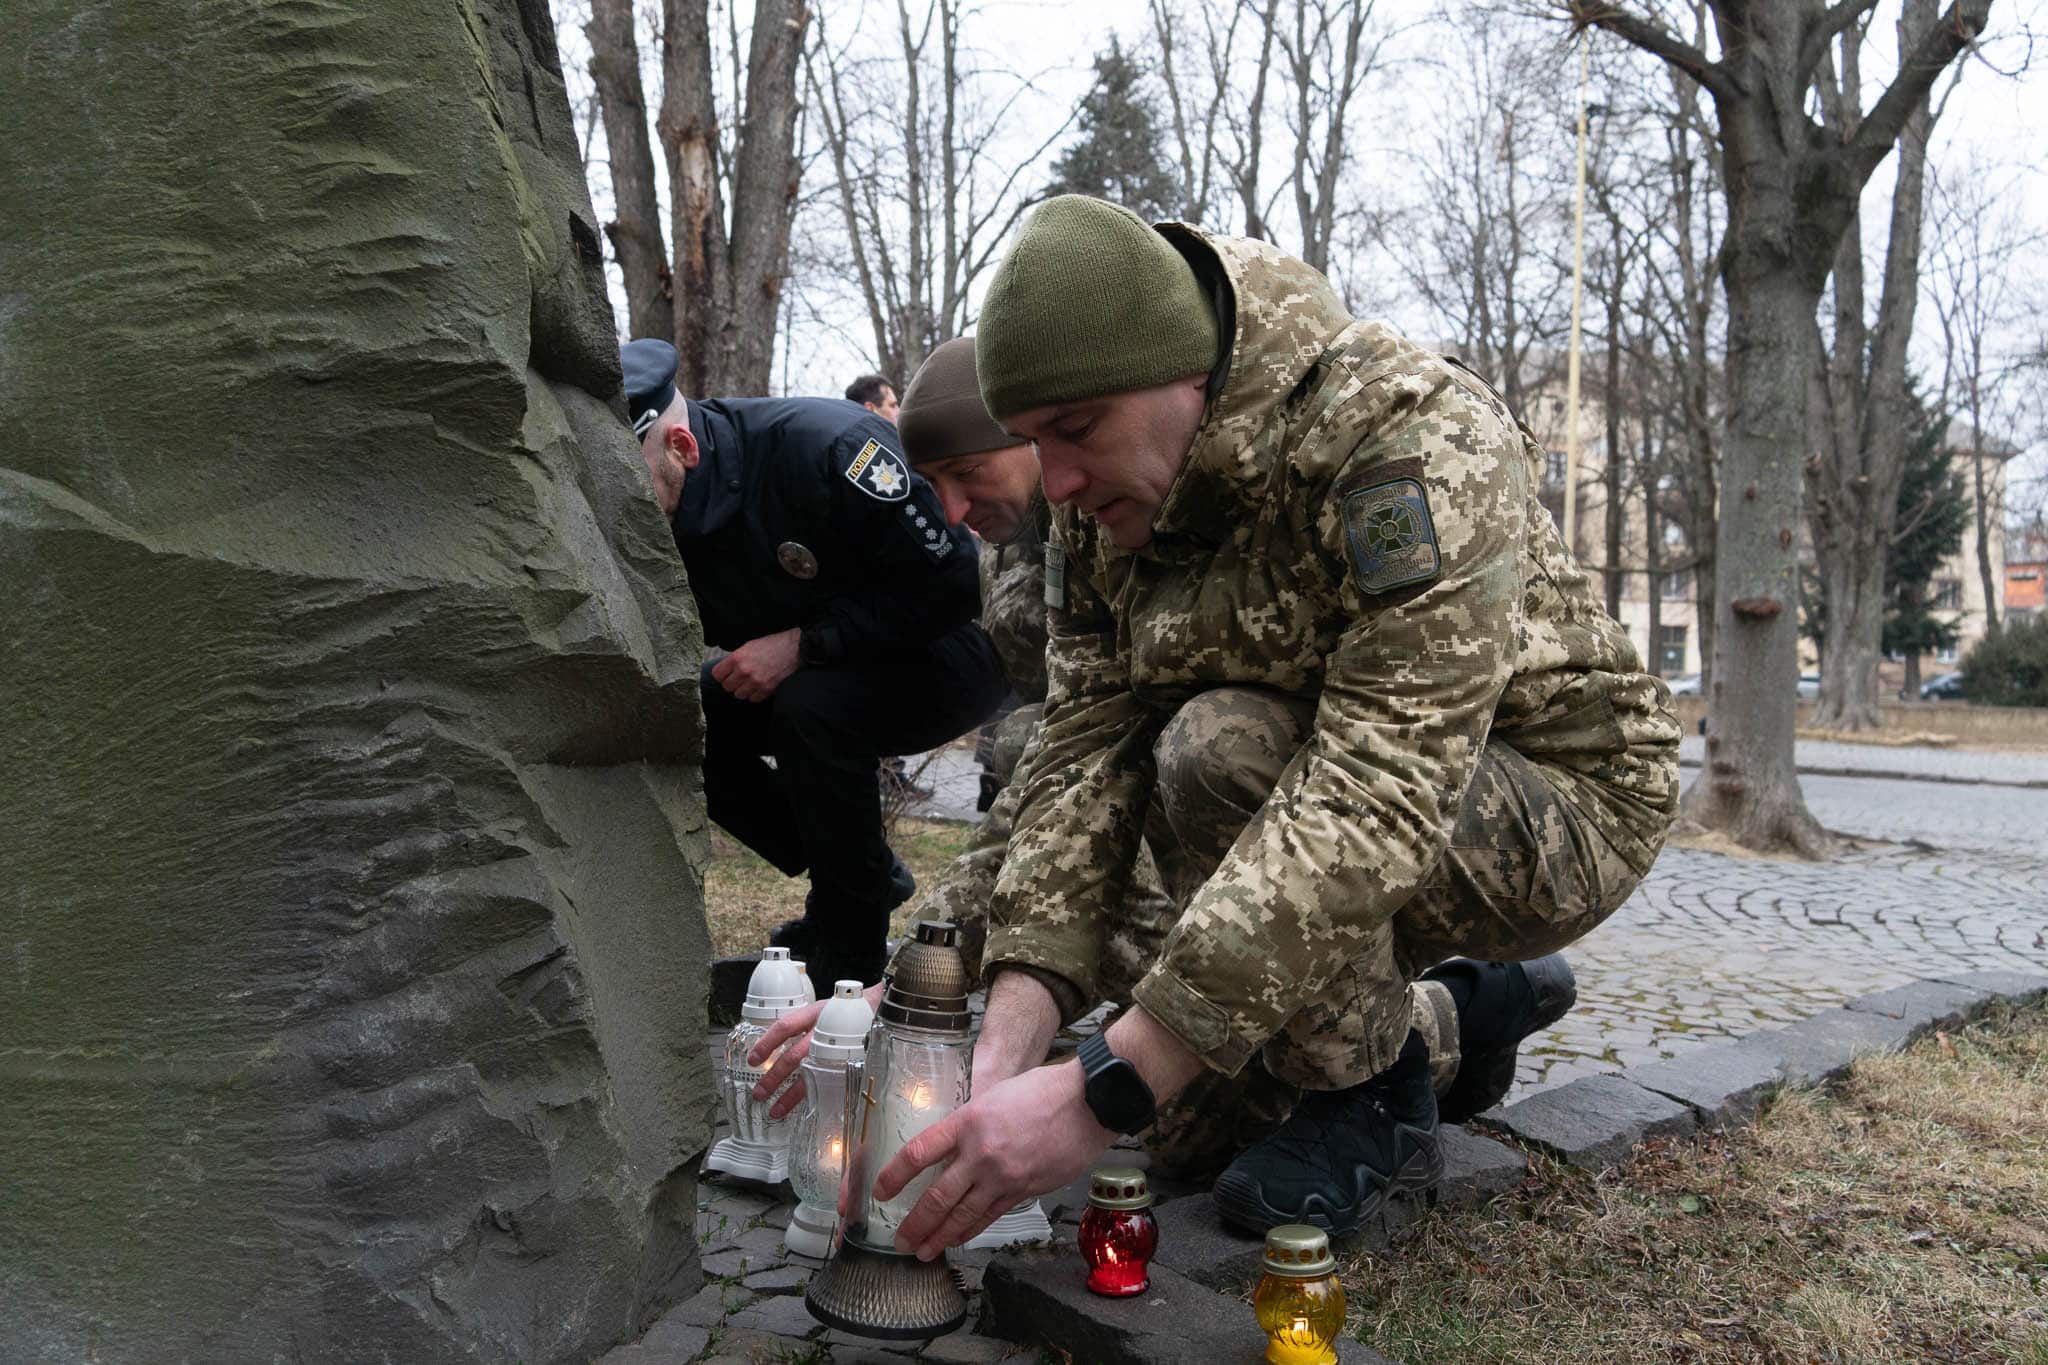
1013	609
1356	522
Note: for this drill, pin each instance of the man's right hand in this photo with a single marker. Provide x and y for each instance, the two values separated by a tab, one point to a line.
796	1025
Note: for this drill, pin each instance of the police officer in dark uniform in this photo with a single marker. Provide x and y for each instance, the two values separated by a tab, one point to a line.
846	605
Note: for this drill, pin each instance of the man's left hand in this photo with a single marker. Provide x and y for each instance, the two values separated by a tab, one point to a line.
754	670
1029	1134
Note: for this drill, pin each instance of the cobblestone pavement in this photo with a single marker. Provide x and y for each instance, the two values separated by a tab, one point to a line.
1712	946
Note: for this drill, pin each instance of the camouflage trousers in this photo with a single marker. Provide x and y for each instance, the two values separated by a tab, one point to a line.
963	894
1527	871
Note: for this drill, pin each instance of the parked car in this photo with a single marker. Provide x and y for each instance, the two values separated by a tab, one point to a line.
1809	686
1947	687
1687	685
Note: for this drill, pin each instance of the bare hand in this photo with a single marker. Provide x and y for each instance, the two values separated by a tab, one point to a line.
796	1024
754	670
1019	1138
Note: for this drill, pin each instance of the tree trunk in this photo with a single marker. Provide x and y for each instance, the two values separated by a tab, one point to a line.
1750	786
352	828
1986	503
689	139
1855	487
635	229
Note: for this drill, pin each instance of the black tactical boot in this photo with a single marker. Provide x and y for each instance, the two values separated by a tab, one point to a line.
800	935
1499	1004
1341	1154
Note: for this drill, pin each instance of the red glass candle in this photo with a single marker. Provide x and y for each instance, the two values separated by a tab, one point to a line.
1118	1233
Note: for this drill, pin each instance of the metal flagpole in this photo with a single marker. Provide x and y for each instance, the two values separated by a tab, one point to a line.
1571	382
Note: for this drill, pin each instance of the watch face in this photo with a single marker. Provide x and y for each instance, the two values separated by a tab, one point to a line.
1120	1098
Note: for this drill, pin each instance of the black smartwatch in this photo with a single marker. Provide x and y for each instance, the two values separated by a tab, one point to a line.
1116	1093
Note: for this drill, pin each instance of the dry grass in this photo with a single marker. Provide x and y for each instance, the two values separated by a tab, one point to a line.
1903	1217
745	897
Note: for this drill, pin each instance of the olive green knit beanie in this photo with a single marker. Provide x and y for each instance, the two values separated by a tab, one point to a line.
942	415
1089	301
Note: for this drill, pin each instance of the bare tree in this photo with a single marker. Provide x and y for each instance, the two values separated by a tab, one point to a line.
1976	242
1859	414
635	228
1792	187
730	211
1330	46
924	200
1487	242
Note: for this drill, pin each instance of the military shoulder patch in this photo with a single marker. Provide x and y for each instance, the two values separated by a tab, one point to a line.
1387	529
1056	577
879	472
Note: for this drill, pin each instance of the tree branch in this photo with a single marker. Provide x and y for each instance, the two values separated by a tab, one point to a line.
1654	39
1917	73
1814	44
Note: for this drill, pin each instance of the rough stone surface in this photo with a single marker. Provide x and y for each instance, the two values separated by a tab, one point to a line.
1817	1050
1194	1241
1476	1168
784	1315
348	714
1593	1122
1725	1085
1042	1299
757	1348
1924	1004
782	1279
668	1342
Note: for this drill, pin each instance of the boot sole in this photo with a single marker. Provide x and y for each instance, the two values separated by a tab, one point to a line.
1243	1205
1484	1078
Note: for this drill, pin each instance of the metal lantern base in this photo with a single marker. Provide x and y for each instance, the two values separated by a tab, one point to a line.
1025	1223
748	1160
888	1295
810	1231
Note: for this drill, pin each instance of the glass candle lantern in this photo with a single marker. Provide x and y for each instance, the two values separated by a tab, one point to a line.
913	1072
1118	1233
817	1148
758	1147
1300	1303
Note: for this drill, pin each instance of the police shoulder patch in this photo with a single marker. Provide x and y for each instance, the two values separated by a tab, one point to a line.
879	472
1390	536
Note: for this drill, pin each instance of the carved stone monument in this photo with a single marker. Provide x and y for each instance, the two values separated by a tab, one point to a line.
352	953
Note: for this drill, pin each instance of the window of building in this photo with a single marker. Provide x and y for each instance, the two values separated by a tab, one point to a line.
1553	469
1945	655
1675	585
1948	594
1670	650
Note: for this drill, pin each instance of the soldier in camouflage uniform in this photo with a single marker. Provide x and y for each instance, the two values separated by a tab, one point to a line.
1312	618
988	480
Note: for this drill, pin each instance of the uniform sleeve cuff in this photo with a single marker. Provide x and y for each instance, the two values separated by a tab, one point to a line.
1069	981
1202	1026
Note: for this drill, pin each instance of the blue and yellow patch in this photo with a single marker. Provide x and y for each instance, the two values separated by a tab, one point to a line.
1390	536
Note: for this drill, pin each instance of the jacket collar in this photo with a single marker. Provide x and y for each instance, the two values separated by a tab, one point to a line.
710	500
1277	315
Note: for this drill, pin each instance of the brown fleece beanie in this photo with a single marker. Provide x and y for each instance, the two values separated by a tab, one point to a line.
1089	301
942	415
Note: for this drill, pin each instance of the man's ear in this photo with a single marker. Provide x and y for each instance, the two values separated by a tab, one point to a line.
682	442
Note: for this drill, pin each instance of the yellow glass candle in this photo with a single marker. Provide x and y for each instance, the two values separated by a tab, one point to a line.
1300	1304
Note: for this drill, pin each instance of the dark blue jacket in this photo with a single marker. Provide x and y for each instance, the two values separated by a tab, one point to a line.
785	484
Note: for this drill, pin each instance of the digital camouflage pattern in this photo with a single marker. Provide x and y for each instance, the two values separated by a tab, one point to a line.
1013	609
1491	705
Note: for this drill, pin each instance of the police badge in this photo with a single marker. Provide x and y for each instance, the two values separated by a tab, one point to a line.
879	472
796	561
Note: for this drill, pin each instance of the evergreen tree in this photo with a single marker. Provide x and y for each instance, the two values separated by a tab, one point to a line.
1117	155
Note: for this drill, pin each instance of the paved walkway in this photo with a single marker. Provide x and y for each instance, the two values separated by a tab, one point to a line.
1832	758
1712	946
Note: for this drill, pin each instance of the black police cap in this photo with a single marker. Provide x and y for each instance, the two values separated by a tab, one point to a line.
650	368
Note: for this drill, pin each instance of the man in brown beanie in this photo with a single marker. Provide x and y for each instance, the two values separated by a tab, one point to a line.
1314	623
